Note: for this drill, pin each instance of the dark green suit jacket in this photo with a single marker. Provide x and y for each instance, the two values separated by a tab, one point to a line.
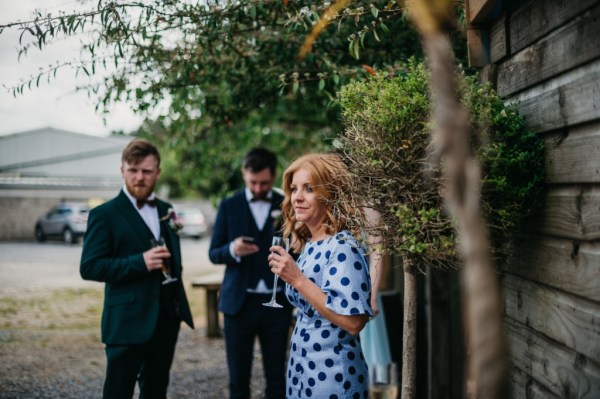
113	245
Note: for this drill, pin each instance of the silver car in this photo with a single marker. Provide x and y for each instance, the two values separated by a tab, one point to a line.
193	220
67	220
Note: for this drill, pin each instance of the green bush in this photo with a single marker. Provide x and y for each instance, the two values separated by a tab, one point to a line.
386	145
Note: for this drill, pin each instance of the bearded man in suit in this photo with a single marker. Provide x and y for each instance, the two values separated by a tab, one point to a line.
141	315
241	239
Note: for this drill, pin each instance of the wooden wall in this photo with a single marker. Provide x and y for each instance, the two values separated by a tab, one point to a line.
544	57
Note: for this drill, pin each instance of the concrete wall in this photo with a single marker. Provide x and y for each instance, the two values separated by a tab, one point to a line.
19	209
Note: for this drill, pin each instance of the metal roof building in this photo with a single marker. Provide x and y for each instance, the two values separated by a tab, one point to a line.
40	167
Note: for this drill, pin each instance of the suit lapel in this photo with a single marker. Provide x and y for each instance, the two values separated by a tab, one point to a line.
133	218
247	219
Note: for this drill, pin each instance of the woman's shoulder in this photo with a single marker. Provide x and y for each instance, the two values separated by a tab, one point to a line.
345	239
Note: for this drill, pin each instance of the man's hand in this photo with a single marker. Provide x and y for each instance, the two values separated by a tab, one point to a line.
155	257
241	248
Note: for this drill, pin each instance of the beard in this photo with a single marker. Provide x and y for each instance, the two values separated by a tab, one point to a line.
138	191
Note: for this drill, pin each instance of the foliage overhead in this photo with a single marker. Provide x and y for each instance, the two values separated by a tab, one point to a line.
386	144
222	147
216	52
216	67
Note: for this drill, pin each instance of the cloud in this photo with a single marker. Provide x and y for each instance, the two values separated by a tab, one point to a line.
55	104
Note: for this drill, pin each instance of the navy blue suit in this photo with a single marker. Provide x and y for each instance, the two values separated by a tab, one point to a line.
245	316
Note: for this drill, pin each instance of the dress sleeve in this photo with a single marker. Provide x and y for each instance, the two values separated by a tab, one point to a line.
346	279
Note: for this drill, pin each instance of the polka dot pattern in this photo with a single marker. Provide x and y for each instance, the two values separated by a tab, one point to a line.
326	361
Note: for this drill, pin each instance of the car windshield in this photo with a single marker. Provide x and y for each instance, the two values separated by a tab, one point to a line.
191	215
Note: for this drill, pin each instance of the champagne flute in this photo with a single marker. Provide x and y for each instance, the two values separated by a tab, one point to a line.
383	383
285	243
160	242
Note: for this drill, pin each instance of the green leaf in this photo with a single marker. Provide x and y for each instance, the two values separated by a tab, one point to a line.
21	36
356	49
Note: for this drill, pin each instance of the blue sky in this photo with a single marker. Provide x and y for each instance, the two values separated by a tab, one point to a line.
55	104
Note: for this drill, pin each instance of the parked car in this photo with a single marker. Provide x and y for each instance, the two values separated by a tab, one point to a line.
67	220
193	221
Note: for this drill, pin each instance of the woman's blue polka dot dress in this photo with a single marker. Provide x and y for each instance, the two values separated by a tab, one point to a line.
326	361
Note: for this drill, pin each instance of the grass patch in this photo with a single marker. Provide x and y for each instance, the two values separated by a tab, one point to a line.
69	309
52	310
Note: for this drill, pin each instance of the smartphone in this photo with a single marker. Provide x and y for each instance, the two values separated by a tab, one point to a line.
248	240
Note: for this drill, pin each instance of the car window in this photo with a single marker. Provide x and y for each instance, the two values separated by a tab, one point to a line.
54	212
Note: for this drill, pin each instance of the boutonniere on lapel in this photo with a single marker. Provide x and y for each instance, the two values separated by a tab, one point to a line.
174	221
277	217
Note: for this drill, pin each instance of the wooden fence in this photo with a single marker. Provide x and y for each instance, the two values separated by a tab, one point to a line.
544	57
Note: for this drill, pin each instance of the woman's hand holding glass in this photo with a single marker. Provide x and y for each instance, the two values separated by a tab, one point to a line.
279	243
284	265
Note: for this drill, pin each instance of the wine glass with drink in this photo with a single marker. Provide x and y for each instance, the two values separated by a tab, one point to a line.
160	242
285	243
383	382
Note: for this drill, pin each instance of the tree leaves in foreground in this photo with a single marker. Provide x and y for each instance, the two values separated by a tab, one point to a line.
222	71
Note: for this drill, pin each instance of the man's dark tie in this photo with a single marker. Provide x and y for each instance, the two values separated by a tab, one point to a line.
149	202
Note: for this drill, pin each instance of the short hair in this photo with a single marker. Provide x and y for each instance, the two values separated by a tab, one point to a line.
137	150
258	159
332	183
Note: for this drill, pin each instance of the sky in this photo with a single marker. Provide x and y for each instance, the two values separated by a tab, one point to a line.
55	104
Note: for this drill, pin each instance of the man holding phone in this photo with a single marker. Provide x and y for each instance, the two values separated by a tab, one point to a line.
241	239
248	240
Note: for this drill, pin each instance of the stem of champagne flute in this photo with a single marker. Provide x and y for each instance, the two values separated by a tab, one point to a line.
275	278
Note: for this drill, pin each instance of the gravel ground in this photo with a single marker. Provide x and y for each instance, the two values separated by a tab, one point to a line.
50	328
50	348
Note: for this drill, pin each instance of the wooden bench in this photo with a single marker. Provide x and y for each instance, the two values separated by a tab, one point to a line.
211	283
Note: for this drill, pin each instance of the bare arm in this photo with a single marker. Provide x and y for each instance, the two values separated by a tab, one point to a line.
375	271
375	258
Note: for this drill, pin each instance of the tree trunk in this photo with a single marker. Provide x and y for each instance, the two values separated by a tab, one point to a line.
409	333
487	361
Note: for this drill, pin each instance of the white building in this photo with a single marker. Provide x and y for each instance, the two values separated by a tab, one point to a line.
41	167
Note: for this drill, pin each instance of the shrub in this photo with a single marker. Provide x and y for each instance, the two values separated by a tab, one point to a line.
386	146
